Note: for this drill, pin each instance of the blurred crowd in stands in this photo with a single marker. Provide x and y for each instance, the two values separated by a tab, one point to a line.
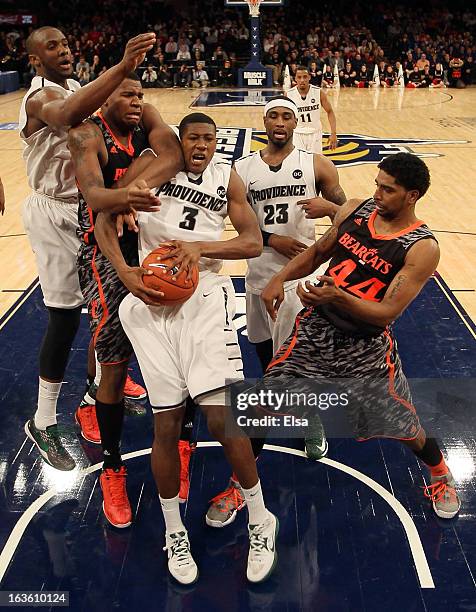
203	44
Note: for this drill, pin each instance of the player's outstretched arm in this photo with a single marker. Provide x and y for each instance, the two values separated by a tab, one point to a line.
420	264
166	146
305	263
87	149
53	107
132	277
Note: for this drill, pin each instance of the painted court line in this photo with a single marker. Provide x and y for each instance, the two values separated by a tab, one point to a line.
419	558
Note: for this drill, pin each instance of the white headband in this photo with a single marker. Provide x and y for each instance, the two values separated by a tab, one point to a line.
281	102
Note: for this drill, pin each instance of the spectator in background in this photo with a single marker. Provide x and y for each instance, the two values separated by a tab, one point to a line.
438	77
200	76
269	61
183	54
164	77
423	63
363	78
225	75
349	75
171	48
469	71
315	73
219	56
149	76
426	77
328	77
183	77
390	77
97	68
83	71
199	46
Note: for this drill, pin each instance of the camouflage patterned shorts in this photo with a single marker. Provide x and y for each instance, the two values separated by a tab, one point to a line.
103	292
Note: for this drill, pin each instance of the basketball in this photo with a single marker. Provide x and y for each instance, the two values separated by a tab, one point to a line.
175	286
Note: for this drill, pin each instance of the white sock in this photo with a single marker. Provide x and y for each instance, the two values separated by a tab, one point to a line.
48	393
171	512
97	378
257	512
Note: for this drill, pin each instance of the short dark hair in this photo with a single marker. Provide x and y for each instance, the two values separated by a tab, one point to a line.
301	67
408	170
195	118
133	76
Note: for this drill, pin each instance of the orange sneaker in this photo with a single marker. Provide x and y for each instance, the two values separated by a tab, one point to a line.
185	451
225	506
116	504
85	417
133	390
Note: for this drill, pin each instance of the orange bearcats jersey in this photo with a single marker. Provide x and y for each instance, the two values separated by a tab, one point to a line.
119	159
364	264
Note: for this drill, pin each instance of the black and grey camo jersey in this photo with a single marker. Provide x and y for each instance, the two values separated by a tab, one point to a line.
119	158
365	263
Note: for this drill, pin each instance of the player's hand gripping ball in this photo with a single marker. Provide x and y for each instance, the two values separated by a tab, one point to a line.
172	283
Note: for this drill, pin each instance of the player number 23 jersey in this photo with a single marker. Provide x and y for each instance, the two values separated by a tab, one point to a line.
273	194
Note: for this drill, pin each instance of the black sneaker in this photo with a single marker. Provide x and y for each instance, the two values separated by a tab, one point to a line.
49	444
316	446
132	408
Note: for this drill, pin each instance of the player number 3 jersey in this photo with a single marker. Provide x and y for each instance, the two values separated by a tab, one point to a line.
192	208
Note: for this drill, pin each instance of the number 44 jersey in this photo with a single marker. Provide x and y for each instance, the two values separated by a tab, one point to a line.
273	192
192	207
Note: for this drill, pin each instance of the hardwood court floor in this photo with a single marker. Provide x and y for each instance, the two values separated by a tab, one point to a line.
441	115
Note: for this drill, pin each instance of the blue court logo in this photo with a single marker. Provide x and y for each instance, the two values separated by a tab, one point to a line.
355	149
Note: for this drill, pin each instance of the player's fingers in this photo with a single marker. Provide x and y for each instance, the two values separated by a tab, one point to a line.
153	293
119	225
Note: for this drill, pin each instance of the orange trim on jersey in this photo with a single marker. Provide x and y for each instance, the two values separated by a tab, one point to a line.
391	376
105	311
402	232
110	363
391	389
90	231
280	358
129	149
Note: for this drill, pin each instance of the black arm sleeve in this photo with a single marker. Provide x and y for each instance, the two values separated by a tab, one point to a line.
266	236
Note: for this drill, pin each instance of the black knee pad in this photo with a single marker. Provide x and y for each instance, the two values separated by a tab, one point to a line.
62	327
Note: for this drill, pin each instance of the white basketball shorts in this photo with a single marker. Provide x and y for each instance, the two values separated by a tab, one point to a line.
260	326
309	142
51	227
190	349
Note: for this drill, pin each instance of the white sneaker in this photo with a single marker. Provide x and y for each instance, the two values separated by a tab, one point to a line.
181	564
263	555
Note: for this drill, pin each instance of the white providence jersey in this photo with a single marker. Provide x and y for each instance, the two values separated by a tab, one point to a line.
192	207
309	109
273	194
48	160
